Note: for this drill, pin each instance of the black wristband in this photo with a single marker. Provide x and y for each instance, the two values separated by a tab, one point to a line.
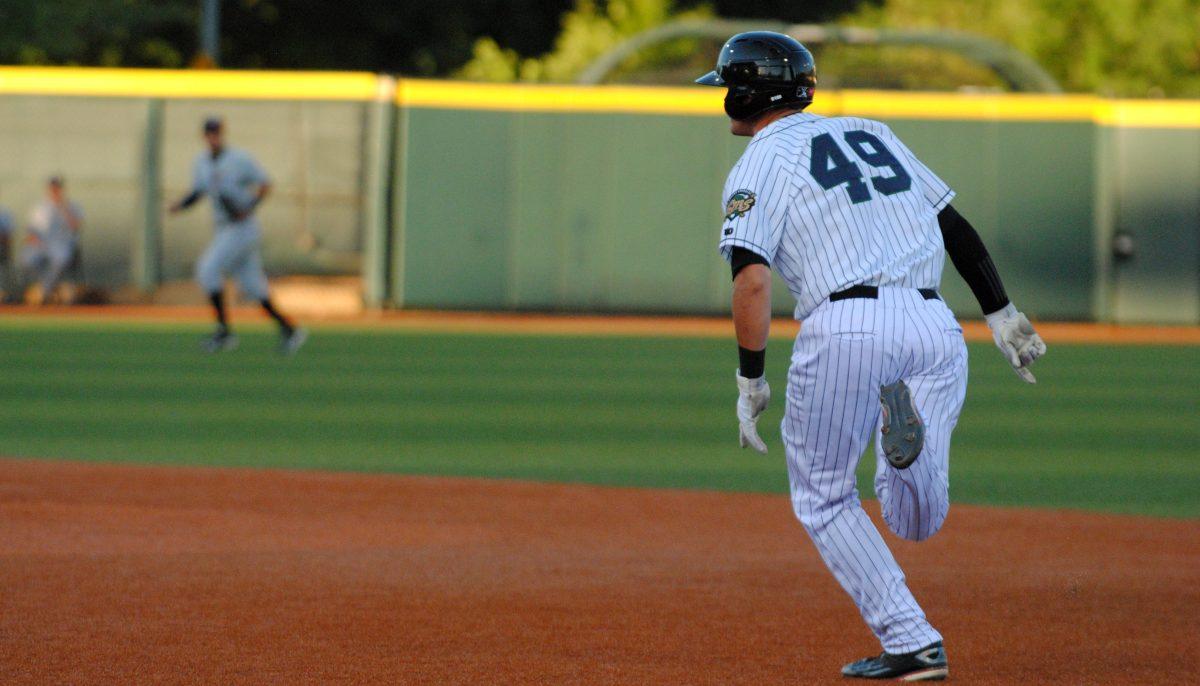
751	362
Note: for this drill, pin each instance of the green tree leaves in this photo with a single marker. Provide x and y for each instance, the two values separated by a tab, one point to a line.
97	32
588	31
1129	48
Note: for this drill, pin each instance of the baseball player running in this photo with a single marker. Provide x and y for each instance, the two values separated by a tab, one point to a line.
236	184
857	227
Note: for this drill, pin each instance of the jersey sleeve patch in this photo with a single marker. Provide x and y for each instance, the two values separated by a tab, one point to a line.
741	202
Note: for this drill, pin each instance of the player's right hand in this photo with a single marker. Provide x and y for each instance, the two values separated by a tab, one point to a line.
1015	337
753	396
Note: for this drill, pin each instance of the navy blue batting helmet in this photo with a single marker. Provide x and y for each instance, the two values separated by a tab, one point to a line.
763	71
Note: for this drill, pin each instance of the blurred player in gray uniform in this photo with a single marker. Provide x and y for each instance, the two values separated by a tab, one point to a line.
53	238
6	235
236	184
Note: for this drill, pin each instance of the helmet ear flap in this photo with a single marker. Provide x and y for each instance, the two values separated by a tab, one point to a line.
739	102
747	102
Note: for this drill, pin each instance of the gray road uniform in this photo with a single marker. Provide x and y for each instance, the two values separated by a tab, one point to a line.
231	181
57	242
6	242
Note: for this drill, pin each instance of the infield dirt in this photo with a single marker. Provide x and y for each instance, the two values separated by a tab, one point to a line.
132	574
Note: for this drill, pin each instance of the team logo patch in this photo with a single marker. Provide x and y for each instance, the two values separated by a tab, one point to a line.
739	204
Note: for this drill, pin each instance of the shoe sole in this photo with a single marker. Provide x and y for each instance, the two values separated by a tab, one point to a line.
935	674
929	674
903	432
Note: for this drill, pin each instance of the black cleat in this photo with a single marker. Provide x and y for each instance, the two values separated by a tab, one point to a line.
290	342
926	664
902	429
221	341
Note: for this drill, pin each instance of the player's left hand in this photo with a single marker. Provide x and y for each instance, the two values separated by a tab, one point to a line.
753	396
1015	337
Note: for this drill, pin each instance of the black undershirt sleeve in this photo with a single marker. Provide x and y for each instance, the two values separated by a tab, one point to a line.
190	199
740	258
750	362
971	259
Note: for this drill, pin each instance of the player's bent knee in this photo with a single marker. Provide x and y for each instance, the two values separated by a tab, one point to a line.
255	292
927	528
207	275
209	283
59	262
919	523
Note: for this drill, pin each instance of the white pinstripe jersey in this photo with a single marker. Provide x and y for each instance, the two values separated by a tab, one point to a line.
835	202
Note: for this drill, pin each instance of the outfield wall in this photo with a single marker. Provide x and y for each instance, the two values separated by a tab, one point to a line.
451	195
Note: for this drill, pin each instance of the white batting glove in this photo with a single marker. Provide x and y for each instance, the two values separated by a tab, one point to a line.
753	396
1015	337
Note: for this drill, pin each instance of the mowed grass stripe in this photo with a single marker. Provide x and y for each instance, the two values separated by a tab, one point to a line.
1107	427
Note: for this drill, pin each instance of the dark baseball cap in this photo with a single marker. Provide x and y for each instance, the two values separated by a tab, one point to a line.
213	124
57	181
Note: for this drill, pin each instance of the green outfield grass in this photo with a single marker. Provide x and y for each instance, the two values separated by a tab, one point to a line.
1109	428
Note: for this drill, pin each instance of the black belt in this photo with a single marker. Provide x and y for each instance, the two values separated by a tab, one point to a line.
872	292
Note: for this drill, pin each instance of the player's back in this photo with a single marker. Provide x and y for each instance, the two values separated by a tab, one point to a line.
841	202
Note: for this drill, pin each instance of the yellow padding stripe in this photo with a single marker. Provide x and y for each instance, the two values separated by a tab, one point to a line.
556	98
1007	107
698	100
882	104
170	83
1158	114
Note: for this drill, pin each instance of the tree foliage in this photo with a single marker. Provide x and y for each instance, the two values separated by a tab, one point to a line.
97	32
588	31
421	37
1132	48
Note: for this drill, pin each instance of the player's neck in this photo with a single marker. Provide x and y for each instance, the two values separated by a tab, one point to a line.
772	117
216	152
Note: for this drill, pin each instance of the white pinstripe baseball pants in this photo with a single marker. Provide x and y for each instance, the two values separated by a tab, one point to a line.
845	351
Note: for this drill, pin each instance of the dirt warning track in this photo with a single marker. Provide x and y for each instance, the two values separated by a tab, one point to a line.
542	324
129	574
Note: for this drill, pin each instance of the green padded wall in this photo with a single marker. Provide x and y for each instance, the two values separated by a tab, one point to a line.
97	145
1156	186
587	199
620	212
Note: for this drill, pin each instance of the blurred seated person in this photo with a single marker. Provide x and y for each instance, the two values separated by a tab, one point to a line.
6	231
53	241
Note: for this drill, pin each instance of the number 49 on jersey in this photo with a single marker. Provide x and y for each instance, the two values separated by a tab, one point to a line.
832	167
